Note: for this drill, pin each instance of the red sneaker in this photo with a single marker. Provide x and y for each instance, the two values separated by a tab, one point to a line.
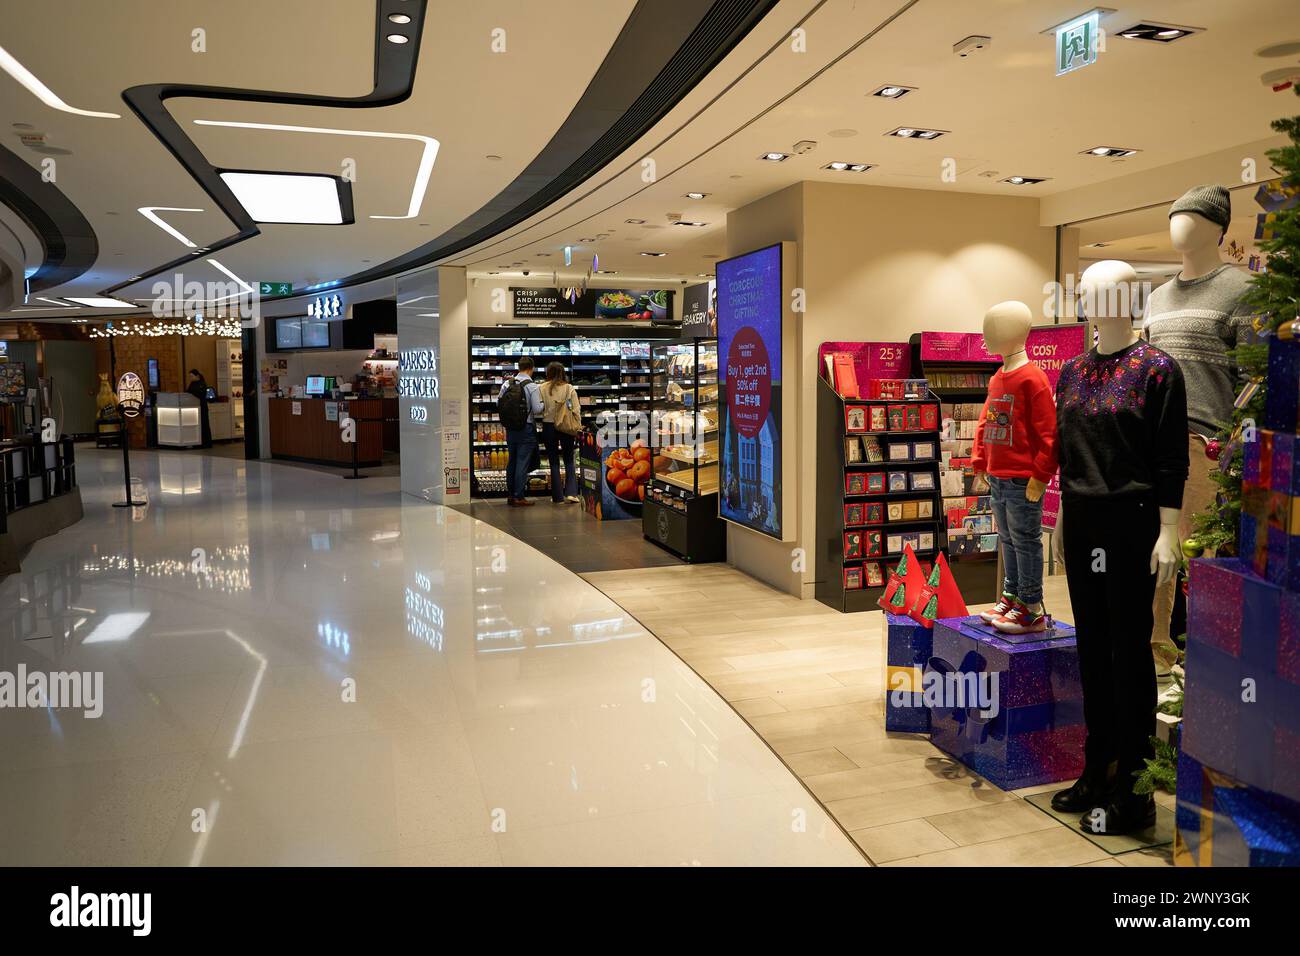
998	611
1021	620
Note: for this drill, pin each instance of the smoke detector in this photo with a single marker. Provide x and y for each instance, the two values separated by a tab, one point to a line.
971	46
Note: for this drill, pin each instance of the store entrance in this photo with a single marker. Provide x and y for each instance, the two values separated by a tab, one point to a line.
620	377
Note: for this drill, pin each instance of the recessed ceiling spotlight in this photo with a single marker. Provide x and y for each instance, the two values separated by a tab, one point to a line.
492	158
1158	32
655	255
586	240
1114	151
909	132
606	272
635	222
775	157
397	38
398	18
689	222
696	195
892	92
704	275
847	167
1023	180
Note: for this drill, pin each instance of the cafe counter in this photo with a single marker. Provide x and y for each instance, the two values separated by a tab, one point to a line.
309	429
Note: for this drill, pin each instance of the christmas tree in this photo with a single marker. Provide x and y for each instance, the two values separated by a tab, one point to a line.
1275	295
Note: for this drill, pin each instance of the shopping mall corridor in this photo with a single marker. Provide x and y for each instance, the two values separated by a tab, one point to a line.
303	670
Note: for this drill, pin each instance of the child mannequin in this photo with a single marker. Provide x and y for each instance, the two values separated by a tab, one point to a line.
1015	445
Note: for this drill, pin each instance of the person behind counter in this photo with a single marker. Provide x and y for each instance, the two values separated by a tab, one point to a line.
519	405
199	389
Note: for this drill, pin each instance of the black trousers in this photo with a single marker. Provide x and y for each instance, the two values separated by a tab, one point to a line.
1108	567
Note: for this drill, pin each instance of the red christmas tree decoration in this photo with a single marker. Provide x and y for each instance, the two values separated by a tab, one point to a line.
903	581
938	597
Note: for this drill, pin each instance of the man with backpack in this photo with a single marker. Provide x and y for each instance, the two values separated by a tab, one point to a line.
519	406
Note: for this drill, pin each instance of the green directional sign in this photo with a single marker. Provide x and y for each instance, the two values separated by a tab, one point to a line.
275	288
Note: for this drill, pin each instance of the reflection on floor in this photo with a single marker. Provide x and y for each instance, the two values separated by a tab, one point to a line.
389	467
567	534
810	681
303	670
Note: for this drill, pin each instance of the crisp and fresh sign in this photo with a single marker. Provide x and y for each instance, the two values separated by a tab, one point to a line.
1076	43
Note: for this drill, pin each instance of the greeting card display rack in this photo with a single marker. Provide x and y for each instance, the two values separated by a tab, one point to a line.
973	556
877	489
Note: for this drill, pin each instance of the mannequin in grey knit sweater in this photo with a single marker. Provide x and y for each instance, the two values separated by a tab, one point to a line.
1196	317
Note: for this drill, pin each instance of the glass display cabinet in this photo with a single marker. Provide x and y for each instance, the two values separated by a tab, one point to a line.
681	508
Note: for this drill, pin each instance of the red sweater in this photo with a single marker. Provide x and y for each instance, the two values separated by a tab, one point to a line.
1016	436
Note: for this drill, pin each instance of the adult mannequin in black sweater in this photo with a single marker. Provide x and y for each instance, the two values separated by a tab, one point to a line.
1122	439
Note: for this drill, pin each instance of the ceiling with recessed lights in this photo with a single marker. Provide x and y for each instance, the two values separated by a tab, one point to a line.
1001	111
820	85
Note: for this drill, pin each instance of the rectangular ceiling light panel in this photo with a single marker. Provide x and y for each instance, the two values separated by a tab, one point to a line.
288	197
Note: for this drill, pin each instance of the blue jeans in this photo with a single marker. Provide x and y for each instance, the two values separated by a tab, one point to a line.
560	445
521	449
1020	531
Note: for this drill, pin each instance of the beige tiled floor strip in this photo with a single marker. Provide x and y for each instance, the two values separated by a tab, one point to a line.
809	681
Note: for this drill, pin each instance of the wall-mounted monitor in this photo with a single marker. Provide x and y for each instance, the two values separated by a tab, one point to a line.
315	334
288	333
153	373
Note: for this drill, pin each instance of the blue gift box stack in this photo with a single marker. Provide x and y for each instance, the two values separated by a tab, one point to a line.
1034	734
907	650
1239	770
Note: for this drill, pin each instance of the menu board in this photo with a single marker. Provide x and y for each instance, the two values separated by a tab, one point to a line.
751	305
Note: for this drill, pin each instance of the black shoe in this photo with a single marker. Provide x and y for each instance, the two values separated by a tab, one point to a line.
1086	794
1131	815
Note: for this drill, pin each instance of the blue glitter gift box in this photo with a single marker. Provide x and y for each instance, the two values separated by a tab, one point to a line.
1034	732
1270	507
907	650
1241	713
1221	821
1282	397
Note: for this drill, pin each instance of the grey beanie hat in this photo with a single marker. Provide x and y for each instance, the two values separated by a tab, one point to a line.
1212	202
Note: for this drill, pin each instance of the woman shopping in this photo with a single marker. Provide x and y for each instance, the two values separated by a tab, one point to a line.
561	422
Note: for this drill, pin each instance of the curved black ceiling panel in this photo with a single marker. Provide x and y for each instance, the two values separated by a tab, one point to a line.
68	240
394	78
673	43
676	43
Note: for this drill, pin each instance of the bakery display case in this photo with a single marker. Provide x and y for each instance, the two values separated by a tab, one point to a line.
681	507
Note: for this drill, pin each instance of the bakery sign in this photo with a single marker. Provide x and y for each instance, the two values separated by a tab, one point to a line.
130	394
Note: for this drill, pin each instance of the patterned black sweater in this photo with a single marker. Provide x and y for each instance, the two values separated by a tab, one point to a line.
1121	424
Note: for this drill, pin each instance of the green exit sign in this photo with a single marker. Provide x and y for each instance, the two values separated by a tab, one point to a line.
1077	43
275	288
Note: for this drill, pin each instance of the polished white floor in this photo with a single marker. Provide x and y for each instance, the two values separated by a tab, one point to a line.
505	712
